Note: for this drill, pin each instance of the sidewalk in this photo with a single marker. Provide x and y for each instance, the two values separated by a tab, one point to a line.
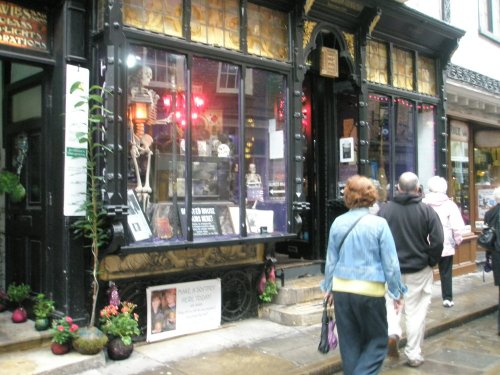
251	346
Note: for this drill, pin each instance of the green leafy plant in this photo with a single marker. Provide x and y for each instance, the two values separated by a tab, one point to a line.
120	321
43	306
270	290
92	226
18	293
10	184
64	330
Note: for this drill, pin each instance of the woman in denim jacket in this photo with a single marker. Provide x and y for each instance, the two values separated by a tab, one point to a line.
358	273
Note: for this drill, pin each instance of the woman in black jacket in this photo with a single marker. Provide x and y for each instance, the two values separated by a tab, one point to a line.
492	219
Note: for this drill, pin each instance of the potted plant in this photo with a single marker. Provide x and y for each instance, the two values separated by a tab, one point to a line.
92	226
17	294
120	323
64	332
42	309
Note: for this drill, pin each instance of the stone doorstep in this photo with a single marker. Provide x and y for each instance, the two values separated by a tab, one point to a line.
301	314
299	290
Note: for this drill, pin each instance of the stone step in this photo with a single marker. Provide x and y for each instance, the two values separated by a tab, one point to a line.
301	314
300	290
21	336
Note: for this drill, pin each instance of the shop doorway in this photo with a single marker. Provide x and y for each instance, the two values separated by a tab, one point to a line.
24	103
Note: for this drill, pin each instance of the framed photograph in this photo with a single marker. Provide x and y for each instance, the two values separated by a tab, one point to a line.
137	223
346	150
182	308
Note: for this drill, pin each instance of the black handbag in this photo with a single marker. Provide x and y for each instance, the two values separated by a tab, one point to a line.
487	238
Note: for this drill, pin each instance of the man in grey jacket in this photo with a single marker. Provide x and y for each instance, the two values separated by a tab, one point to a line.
418	235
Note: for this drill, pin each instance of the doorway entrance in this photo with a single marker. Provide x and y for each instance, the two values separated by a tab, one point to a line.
24	103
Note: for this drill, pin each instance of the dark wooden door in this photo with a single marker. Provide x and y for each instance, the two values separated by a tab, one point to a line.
24	108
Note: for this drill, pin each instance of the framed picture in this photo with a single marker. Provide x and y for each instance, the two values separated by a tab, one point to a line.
182	308
137	223
346	150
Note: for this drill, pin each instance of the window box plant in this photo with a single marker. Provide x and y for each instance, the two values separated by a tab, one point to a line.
18	294
42	309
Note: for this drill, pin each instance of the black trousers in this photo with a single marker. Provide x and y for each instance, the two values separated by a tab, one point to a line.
446	274
362	329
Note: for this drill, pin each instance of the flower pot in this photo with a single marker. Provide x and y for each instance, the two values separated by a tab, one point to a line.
19	315
117	350
90	340
59	349
42	324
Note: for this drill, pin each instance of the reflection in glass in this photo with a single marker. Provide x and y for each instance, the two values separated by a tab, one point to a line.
265	177
426	142
163	16
379	139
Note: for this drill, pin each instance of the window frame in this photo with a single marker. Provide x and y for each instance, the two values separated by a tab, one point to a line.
492	30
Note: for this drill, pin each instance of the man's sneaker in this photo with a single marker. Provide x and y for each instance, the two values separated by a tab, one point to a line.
448	303
415	362
393	346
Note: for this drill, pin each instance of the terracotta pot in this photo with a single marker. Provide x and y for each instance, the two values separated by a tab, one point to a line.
19	315
59	349
117	350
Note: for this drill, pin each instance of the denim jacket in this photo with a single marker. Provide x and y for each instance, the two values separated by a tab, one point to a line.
368	252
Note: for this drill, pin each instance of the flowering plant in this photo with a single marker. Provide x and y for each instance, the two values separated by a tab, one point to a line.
120	321
64	330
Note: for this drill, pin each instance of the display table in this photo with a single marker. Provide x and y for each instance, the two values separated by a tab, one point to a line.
464	260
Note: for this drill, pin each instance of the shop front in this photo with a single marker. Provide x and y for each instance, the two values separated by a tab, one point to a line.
230	129
474	144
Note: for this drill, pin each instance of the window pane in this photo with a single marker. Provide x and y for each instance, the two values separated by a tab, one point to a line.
161	16
267	32
459	153
403	69
376	62
216	22
426	142
157	121
379	138
405	137
214	135
426	76
265	166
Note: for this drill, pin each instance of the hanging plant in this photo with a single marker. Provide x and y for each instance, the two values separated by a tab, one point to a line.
10	184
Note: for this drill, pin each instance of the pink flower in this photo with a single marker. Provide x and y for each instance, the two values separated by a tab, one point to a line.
60	328
73	328
69	320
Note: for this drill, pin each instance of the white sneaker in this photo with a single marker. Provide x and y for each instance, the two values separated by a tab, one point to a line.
448	303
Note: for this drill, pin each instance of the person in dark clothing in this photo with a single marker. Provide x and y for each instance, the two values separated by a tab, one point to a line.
418	235
492	219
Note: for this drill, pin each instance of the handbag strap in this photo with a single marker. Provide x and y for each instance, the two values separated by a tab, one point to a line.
349	231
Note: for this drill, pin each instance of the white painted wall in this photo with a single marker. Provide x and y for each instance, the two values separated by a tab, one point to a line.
475	52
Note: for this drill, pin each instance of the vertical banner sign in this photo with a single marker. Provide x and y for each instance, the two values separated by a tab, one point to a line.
75	158
22	27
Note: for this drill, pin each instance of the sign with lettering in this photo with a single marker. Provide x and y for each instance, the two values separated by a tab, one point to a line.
178	309
23	27
204	220
329	62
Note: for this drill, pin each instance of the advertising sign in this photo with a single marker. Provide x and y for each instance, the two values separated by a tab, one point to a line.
179	309
23	27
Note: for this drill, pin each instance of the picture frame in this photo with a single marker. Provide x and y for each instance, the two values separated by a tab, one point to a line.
346	147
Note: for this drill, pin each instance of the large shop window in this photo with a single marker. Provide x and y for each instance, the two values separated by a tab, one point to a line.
397	126
200	168
459	154
487	171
